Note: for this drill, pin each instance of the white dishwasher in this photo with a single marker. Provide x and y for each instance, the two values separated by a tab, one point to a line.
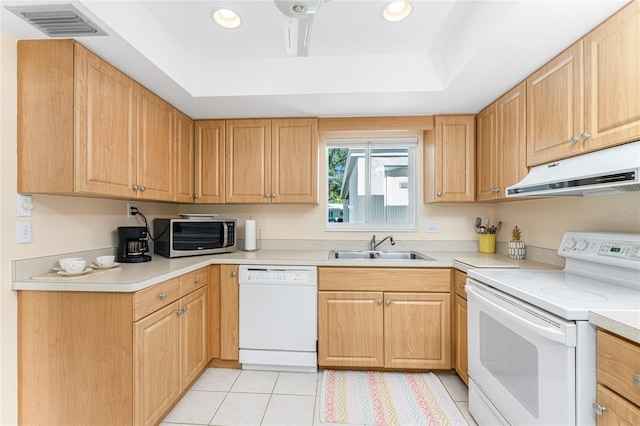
278	318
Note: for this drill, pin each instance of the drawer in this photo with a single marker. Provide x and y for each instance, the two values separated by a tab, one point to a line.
459	281
193	280
384	279
153	298
619	365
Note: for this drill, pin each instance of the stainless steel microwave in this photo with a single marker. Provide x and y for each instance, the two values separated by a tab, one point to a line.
191	237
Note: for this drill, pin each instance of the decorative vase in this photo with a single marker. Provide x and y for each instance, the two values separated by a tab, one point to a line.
516	249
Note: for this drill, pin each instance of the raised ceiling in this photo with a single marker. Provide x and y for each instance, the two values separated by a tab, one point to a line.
447	57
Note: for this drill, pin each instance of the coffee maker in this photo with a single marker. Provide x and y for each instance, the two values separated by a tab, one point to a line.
132	244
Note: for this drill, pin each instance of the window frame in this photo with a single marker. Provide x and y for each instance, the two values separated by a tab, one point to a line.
369	143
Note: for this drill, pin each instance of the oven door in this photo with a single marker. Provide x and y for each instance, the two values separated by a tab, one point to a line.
522	363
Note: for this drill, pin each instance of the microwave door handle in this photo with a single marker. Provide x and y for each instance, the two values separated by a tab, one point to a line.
225	231
550	332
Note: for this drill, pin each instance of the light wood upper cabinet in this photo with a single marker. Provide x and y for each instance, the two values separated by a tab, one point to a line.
209	161
501	157
555	108
271	161
86	128
612	80
184	158
450	159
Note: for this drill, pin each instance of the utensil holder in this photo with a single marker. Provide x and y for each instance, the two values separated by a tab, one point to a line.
487	243
516	249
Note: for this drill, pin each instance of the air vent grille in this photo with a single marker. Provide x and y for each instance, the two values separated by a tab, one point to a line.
58	20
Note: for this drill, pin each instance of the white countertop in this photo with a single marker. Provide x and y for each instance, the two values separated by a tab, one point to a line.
132	277
625	324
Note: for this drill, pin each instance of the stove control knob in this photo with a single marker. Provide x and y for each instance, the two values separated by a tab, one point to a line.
569	244
581	245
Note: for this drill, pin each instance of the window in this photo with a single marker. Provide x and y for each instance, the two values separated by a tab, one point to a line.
371	183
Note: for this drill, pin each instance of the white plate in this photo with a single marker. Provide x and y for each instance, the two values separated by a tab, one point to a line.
198	216
113	265
68	274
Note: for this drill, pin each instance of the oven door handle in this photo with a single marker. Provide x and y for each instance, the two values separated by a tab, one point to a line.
551	330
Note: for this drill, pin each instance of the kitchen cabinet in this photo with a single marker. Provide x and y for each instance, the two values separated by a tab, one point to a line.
184	158
501	139
110	358
461	357
229	313
450	159
585	98
271	161
363	313
618	376
85	128
209	162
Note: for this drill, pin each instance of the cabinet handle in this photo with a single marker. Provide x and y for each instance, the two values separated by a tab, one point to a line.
233	273
439	194
197	280
266	195
463	286
163	296
598	409
379	301
143	188
196	196
636	380
584	136
273	195
179	312
185	309
575	139
135	187
388	302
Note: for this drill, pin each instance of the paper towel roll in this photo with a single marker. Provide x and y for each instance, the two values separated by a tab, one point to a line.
249	235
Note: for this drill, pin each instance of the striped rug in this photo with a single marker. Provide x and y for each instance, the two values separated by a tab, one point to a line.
377	398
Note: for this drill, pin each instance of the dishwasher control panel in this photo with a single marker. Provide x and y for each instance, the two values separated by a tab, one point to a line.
275	275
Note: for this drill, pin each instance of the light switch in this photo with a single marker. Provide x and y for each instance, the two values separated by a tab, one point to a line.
23	232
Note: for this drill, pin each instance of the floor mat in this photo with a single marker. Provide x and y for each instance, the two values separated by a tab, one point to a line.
381	398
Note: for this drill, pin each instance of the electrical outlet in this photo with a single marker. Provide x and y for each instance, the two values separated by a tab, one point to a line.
25	205
433	226
23	235
130	206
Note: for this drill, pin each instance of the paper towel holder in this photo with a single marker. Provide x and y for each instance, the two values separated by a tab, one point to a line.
250	235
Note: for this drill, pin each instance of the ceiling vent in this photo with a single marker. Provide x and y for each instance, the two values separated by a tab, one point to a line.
58	20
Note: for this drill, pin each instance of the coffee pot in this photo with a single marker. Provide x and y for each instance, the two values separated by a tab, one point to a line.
132	244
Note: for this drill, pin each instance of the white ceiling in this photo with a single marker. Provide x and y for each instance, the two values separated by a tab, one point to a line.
447	57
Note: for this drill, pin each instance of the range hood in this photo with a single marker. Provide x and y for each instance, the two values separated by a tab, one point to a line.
610	171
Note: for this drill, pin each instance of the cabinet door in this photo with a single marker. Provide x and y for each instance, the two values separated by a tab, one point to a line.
460	324
156	168
229	313
294	161
488	154
455	158
555	108
618	411
193	336
512	138
156	360
350	329
612	80
426	343
209	163
248	165
105	127
184	157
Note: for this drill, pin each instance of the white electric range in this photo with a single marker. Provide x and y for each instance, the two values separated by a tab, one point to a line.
532	352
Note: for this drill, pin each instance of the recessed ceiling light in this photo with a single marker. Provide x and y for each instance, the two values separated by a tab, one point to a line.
396	11
226	18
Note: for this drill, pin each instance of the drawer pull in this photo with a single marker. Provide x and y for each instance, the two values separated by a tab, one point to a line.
197	280
636	380
163	296
598	409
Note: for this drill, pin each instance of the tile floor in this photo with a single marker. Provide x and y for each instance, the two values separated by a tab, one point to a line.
242	397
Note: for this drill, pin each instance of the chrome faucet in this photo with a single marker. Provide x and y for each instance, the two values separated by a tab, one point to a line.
375	245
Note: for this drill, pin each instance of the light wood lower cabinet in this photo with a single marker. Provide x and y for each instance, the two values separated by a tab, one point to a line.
110	358
461	356
362	328
229	313
618	381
